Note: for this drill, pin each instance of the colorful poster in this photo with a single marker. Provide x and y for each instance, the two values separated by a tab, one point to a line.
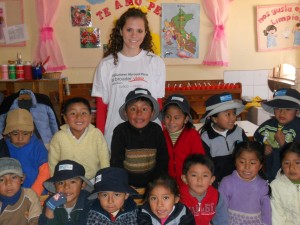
2	21
90	37
81	16
278	27
180	30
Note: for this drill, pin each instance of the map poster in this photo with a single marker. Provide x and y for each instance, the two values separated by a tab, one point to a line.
278	27
180	31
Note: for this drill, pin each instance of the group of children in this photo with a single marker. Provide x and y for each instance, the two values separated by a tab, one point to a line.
177	175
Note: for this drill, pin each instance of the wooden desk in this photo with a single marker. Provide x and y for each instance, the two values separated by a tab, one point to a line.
247	126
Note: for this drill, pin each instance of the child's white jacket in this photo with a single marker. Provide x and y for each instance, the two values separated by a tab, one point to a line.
285	201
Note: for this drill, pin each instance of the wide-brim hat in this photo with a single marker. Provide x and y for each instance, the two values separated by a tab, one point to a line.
178	100
64	170
138	93
18	119
283	98
221	102
111	179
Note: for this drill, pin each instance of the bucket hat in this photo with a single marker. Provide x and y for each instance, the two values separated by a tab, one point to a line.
221	102
111	179
18	119
137	93
64	170
178	100
10	165
284	98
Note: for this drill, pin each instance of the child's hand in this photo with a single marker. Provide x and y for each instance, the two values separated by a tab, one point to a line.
268	149
280	138
56	200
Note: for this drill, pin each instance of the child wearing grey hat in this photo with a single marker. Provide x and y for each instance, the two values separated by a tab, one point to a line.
181	137
281	129
18	206
112	204
220	133
138	144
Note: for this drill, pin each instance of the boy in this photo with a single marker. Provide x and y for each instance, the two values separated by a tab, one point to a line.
23	145
280	130
79	140
19	206
113	206
204	201
138	145
70	204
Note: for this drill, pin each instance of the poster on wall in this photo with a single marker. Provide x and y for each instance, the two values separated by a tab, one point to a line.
278	27
81	16
180	31
2	21
90	37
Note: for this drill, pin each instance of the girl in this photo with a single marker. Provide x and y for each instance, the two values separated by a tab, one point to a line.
285	199
220	134
181	137
78	139
129	63
161	204
270	32
245	192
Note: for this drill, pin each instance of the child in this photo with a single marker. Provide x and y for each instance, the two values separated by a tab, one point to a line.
244	191
24	146
78	139
18	206
112	204
220	134
181	137
161	204
70	203
282	129
285	200
204	201
270	32
138	145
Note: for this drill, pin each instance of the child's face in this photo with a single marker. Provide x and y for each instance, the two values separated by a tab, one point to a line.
112	201
71	188
78	117
20	138
284	116
198	178
291	166
225	120
161	201
247	165
133	34
174	119
10	184
139	114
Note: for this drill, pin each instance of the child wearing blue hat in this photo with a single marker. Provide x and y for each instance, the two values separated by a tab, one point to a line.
220	133
283	128
112	204
69	204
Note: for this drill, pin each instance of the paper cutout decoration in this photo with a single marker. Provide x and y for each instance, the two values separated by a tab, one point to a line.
96	1
90	37
81	16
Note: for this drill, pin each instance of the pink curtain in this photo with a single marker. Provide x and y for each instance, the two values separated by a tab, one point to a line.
217	11
48	47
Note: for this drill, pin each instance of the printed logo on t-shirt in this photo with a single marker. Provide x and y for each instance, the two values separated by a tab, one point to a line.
122	78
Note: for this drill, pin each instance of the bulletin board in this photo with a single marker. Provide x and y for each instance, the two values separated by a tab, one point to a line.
103	16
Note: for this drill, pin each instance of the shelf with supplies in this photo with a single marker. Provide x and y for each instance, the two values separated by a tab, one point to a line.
54	88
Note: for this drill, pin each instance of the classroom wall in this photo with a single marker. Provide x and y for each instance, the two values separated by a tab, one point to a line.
240	29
